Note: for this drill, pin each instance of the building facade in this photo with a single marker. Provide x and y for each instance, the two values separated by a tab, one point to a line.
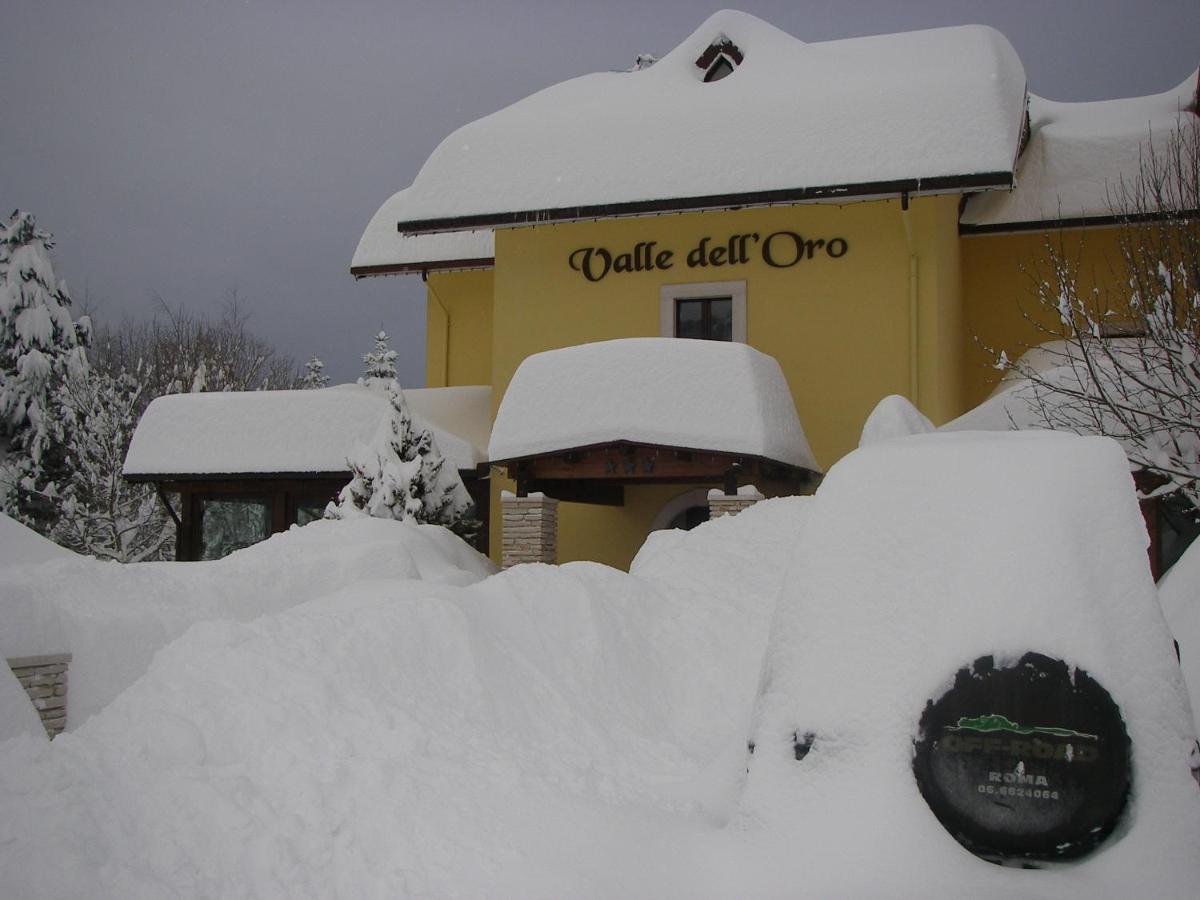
869	212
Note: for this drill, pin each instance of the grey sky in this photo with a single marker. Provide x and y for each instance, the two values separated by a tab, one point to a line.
189	148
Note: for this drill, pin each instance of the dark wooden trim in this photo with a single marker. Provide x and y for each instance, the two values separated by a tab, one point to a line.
191	477
915	186
1078	222
422	267
599	473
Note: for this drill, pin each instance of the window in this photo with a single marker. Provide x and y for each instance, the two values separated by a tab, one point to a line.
231	523
712	311
707	318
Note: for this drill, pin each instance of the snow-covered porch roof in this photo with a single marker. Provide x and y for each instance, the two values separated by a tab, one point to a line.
648	410
306	433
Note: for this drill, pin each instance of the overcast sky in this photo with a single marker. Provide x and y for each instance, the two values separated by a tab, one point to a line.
186	149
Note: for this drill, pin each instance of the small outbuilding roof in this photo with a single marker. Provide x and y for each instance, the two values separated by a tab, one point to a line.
1078	155
670	392
921	111
310	432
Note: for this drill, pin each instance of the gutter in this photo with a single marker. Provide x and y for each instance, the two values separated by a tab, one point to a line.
941	184
914	383
446	335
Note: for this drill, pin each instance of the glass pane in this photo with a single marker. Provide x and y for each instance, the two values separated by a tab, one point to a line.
310	510
689	318
231	523
720	319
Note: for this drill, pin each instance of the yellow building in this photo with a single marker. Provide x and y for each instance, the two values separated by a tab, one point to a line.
867	212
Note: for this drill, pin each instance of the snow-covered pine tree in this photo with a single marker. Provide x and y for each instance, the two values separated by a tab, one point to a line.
403	476
314	375
39	346
380	363
100	513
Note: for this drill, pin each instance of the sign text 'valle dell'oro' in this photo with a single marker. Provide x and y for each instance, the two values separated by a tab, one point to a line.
779	249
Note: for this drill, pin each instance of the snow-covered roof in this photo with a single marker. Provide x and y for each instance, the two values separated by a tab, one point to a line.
382	250
461	419
925	110
1079	153
276	432
697	395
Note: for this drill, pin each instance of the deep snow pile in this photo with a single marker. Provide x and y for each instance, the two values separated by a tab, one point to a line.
113	617
1179	593
578	731
1024	542
545	732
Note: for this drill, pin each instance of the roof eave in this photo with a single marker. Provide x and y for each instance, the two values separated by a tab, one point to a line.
940	184
441	265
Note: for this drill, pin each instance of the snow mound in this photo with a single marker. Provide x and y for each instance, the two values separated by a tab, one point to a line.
696	395
1024	542
113	618
893	417
1179	593
818	112
1079	154
17	715
21	545
550	731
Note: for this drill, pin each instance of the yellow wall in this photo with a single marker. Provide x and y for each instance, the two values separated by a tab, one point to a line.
1000	308
840	328
458	319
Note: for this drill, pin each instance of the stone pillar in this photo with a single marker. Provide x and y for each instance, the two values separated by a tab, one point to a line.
45	681
528	529
722	504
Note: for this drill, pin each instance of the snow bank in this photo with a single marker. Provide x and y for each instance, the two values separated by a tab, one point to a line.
698	395
1079	153
309	431
1025	541
19	544
893	416
579	731
944	102
1179	593
17	715
550	731
113	618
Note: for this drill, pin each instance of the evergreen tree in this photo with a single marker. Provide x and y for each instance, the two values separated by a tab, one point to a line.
404	477
314	374
380	363
40	346
99	512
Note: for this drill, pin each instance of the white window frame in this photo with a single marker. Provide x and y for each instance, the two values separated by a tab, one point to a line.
669	294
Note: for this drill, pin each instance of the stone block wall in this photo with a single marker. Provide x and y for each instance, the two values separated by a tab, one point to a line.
529	529
722	504
45	681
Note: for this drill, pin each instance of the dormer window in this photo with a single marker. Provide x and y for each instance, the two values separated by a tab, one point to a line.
720	59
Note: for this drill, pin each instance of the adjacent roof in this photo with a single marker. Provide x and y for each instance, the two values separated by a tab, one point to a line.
1077	156
671	392
292	432
920	111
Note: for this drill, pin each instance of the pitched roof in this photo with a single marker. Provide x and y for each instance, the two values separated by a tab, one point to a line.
293	432
1079	154
916	111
